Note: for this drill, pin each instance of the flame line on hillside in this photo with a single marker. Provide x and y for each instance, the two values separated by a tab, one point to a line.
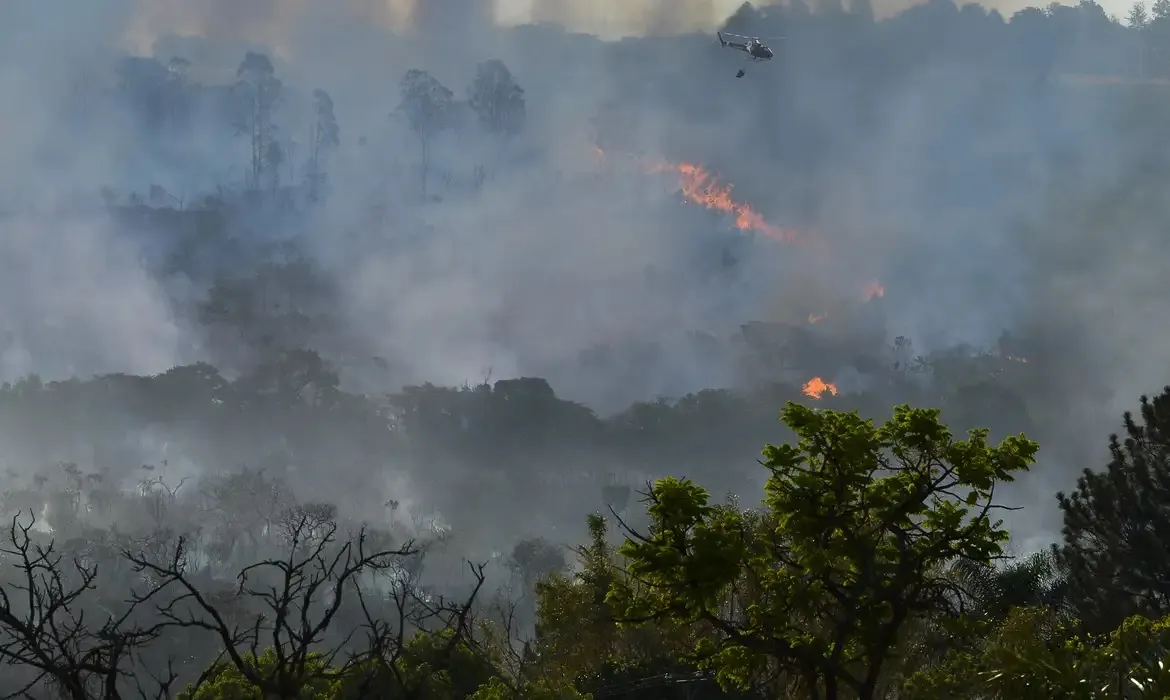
703	188
699	186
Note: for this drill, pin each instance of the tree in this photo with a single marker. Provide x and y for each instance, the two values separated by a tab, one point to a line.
1038	653
295	377
179	87
274	156
580	642
43	626
1117	525
324	137
535	559
259	91
995	592
539	689
497	100
1138	18
858	528
428	108
283	647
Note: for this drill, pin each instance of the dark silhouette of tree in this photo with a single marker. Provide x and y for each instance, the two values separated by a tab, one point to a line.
497	100
535	559
428	108
1138	18
181	90
258	92
52	623
324	137
995	591
299	596
1113	545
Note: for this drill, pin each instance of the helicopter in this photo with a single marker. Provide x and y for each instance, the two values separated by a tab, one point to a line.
752	46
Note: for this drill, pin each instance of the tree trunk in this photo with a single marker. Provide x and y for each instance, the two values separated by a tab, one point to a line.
425	166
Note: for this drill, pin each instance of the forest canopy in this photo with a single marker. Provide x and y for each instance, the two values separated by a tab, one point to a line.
445	363
875	564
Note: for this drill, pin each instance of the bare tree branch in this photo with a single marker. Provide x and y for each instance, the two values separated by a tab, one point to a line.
289	603
43	625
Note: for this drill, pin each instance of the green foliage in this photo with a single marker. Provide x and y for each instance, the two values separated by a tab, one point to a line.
858	526
431	667
445	666
579	638
227	682
1117	524
497	689
1036	653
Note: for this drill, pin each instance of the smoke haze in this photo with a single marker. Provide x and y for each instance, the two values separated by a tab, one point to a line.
934	154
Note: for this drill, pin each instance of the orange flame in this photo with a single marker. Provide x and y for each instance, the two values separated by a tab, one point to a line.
874	291
817	318
701	187
816	387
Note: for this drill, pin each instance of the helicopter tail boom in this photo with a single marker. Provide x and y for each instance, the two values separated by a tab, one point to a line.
722	41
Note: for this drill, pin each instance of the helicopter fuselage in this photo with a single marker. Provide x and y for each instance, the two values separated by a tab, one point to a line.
758	51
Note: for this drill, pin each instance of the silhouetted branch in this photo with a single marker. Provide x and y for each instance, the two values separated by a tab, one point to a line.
43	625
298	598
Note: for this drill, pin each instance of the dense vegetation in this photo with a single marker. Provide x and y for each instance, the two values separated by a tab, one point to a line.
286	520
873	566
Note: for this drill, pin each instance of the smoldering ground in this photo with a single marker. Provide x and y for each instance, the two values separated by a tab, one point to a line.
983	197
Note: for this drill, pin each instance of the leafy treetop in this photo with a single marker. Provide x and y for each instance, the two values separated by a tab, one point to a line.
858	527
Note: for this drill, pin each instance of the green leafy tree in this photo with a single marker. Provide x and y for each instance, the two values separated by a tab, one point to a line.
441	665
580	642
1034	653
1116	531
224	681
858	528
995	591
539	689
1038	653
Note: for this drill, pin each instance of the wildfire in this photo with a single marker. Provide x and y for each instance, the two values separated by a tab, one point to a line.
816	387
874	291
701	187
